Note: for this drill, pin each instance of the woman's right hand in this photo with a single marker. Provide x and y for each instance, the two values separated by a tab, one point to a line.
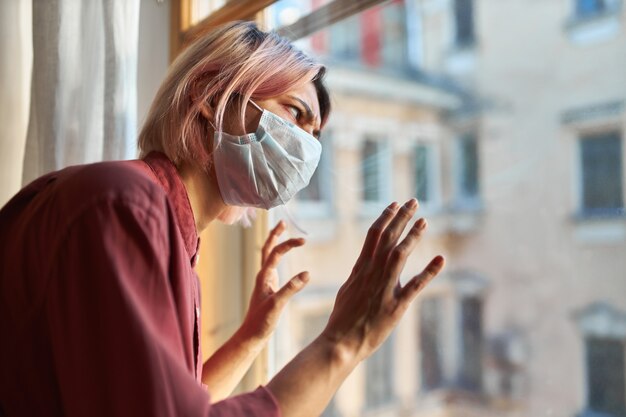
372	301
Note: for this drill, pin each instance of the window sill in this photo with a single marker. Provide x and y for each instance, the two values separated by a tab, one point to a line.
464	217
390	408
445	398
593	29
591	413
461	59
603	228
370	210
600	215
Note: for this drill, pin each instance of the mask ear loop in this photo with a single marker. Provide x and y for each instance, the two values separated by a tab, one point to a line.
290	219
257	106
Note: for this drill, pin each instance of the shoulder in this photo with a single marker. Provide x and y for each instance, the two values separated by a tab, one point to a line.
117	182
95	195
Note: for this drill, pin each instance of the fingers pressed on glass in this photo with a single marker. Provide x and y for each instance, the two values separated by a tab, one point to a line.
395	228
415	285
279	250
400	254
271	240
375	231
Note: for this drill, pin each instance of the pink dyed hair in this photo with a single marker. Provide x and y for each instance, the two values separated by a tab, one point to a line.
234	60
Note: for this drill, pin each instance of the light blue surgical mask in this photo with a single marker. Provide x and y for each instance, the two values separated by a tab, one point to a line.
267	168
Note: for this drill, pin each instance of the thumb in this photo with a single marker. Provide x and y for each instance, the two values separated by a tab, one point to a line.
293	286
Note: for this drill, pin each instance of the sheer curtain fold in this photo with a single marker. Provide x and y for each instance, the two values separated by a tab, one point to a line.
84	95
15	79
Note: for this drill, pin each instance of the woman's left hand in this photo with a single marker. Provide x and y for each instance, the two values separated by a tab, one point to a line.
268	300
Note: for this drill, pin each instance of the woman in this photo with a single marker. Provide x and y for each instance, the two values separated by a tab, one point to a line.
99	301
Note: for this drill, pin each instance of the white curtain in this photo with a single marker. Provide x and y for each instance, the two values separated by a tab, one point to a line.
16	57
83	96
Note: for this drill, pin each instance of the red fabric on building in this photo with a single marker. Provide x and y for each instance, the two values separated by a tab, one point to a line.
319	39
371	33
99	302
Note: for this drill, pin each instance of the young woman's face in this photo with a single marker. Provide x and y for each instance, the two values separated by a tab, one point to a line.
299	106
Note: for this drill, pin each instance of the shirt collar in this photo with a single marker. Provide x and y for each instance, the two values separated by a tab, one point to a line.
167	175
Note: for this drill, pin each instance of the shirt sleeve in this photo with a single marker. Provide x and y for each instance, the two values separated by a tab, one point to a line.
115	335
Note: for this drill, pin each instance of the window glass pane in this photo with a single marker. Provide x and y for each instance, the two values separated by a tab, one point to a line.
421	174
471	344
464	19
514	138
602	173
589	7
371	170
346	38
429	339
605	368
468	179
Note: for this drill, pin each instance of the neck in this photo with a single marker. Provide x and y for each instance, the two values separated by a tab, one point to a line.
204	196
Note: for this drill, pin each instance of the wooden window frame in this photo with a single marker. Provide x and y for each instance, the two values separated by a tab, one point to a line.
184	30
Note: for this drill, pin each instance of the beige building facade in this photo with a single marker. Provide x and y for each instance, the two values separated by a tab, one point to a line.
514	144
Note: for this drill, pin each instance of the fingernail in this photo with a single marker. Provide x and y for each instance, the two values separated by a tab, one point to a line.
438	260
394	205
412	203
421	223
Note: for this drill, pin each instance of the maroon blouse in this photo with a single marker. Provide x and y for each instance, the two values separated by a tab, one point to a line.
99	302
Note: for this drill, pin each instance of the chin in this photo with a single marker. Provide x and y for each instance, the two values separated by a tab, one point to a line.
241	215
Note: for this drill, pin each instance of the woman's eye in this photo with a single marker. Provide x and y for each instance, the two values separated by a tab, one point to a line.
295	112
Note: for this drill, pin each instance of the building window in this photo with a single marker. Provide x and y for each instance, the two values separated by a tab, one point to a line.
346	44
429	342
468	184
601	168
604	337
605	376
394	35
464	20
451	334
377	37
379	376
425	175
470	369
421	173
374	171
590	8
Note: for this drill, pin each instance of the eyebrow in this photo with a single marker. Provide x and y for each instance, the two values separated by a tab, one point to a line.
310	117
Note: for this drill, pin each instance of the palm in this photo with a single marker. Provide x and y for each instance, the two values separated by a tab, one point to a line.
268	299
